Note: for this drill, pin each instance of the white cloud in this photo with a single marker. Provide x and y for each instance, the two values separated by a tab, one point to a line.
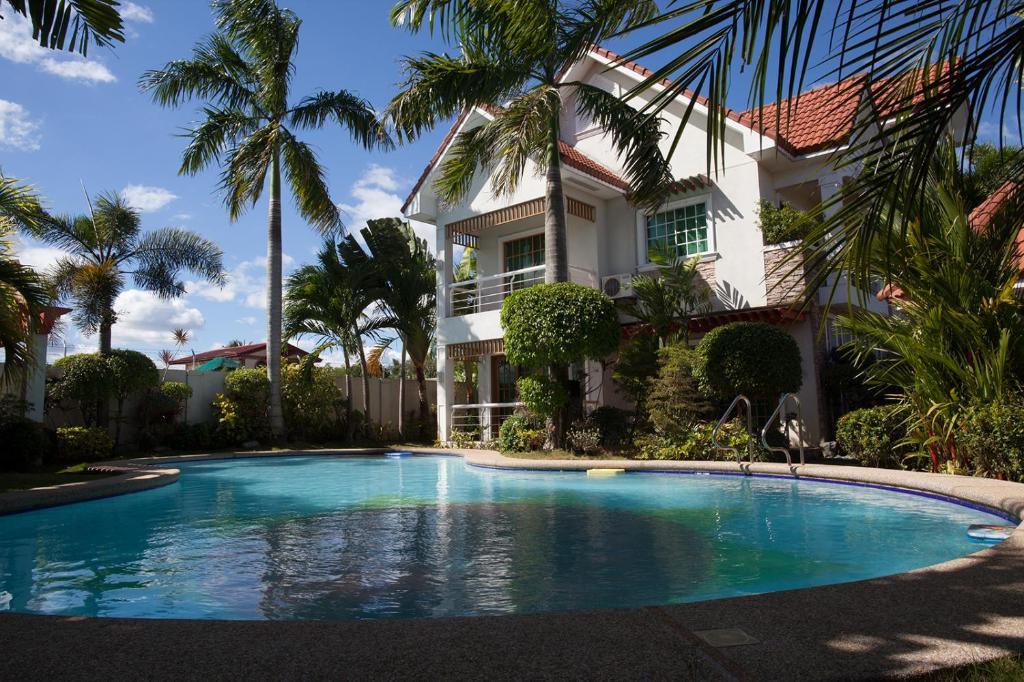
989	131
138	13
17	129
143	317
18	46
247	284
146	198
182	216
375	197
248	319
78	70
39	258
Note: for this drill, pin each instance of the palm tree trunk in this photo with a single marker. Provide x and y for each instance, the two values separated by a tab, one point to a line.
366	382
350	427
421	385
106	345
556	260
401	394
274	298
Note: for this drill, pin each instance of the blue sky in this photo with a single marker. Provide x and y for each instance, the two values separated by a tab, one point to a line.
68	123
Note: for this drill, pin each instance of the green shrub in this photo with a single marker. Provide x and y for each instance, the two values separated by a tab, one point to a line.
675	402
542	396
992	440
519	433
310	400
241	410
26	445
635	366
781	224
614	425
558	324
84	443
697	445
85	379
753	358
175	390
583	436
873	435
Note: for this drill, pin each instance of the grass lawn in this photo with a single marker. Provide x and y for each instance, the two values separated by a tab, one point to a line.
50	475
1009	669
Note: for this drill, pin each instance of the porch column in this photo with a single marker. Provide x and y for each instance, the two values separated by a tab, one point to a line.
35	378
445	391
445	270
484	395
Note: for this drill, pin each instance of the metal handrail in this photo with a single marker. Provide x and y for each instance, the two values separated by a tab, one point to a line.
786	397
750	429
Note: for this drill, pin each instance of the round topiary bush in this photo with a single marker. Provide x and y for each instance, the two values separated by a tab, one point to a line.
85	379
752	358
873	435
558	324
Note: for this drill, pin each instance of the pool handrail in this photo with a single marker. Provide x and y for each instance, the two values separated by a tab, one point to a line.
786	397
750	429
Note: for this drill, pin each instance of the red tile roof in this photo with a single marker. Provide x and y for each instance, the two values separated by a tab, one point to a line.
236	352
574	158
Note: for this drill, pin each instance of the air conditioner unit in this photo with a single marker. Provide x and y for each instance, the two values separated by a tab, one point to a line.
617	286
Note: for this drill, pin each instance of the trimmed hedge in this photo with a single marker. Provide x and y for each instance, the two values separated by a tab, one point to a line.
84	443
558	324
753	358
992	441
874	436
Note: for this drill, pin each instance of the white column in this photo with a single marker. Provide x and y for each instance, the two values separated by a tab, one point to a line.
484	394
445	390
35	387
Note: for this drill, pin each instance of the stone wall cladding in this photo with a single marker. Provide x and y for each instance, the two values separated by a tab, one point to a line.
784	285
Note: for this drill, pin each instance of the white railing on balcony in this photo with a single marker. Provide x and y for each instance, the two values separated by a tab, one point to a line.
480	421
487	293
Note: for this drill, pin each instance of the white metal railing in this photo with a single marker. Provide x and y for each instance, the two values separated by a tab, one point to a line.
487	293
480	420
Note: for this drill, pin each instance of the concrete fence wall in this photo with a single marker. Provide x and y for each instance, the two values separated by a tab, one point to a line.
383	399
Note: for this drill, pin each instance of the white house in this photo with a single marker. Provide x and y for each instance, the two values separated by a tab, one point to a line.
608	238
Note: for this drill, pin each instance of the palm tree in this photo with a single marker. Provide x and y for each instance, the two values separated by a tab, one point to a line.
244	72
328	301
408	279
106	247
958	339
667	301
22	293
513	55
927	62
88	21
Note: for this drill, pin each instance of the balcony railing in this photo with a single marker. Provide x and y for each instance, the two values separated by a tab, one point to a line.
488	293
481	421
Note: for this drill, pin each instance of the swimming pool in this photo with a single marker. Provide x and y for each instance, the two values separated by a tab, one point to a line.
315	537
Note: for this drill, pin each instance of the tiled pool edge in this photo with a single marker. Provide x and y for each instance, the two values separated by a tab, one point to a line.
960	611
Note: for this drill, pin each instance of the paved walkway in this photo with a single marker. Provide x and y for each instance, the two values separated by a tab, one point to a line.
961	611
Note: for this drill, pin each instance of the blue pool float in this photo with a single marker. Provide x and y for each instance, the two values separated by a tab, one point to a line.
981	531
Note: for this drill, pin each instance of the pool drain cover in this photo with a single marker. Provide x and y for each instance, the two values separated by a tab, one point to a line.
726	637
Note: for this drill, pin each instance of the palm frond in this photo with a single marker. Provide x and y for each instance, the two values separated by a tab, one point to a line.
309	187
221	129
19	204
171	249
75	24
245	172
349	111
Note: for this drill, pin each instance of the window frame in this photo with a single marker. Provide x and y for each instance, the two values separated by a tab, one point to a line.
502	241
643	260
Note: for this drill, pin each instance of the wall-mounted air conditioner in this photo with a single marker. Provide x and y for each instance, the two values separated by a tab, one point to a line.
617	286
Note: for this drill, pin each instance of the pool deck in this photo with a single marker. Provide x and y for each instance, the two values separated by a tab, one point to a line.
961	611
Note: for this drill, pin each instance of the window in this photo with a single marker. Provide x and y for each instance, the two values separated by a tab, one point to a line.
519	254
683	230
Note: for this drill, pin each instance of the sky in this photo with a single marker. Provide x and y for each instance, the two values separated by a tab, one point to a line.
72	126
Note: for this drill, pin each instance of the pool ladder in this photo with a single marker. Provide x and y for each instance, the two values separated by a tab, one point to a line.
783	401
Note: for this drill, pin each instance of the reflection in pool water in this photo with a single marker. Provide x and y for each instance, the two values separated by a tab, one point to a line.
323	537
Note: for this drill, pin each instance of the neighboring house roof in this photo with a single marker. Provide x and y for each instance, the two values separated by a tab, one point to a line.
979	218
248	350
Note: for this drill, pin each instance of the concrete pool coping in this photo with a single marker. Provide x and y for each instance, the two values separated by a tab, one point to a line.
961	611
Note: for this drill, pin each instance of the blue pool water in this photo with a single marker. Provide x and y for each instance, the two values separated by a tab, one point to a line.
325	537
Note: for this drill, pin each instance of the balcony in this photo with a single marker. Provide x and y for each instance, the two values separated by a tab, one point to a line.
480	421
486	294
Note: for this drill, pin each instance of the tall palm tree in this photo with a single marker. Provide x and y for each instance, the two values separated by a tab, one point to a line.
513	56
22	292
328	301
408	298
927	61
106	247
88	21
244	74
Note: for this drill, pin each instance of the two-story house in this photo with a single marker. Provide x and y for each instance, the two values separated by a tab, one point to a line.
609	239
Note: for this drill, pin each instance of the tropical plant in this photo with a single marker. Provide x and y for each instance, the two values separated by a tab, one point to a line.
329	301
106	247
244	72
22	292
992	440
408	279
927	62
665	302
87	21
520	433
512	62
241	410
85	379
311	399
991	166
130	372
635	366
675	403
83	443
543	396
874	435
782	223
753	358
958	337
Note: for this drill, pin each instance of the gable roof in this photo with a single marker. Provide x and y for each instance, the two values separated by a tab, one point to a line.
236	352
